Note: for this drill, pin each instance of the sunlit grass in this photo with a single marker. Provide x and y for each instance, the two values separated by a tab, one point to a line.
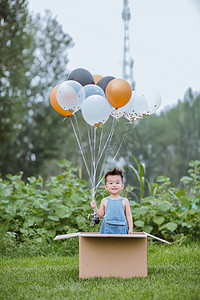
173	273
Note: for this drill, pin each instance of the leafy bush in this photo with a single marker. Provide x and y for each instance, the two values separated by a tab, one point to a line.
38	209
170	212
59	205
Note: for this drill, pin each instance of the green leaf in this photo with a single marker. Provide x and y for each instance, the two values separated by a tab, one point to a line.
32	179
53	218
30	222
63	212
51	233
148	228
171	226
137	212
186	179
164	206
162	178
139	223
185	202
143	210
80	220
158	220
148	200
180	193
135	171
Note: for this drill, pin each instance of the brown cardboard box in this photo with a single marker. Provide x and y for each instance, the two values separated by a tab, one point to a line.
116	255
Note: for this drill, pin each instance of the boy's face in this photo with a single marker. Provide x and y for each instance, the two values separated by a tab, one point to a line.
114	184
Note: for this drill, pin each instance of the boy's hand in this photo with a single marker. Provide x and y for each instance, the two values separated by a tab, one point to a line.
130	231
93	204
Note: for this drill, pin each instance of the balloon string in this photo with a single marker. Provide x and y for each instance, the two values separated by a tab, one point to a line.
108	141
100	174
81	142
90	145
92	138
122	143
78	129
100	140
94	166
83	156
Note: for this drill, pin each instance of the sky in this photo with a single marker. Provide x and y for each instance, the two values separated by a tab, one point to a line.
164	41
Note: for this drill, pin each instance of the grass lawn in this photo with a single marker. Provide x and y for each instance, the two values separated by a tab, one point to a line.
174	273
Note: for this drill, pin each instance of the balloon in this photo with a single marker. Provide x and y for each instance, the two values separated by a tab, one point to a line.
154	100
55	104
97	78
140	104
82	76
103	82
138	107
96	110
122	111
70	95
118	92
92	89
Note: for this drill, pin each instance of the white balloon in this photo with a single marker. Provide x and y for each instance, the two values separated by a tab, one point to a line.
70	95
137	105
140	104
117	113
96	110
154	100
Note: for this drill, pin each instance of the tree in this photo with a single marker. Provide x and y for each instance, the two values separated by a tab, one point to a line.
15	61
33	61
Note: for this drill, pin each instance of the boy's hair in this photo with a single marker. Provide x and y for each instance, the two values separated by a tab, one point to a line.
113	172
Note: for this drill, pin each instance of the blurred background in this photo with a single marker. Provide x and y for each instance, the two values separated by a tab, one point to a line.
152	44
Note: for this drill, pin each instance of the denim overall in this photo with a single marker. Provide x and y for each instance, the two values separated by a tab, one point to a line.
114	220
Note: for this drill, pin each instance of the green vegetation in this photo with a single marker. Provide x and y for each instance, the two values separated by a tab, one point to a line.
173	273
170	211
38	209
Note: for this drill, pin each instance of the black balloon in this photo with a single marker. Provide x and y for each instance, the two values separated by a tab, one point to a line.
103	82
82	76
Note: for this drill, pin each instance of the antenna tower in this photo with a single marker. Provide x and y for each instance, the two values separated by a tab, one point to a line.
127	68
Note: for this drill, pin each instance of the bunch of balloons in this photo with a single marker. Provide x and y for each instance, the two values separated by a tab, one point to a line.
99	97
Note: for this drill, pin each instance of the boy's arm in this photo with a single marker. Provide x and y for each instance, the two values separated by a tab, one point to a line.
101	211
129	216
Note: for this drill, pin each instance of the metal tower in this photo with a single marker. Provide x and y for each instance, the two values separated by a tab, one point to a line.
127	67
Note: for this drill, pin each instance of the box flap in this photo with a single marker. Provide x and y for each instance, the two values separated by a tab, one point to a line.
156	238
105	235
66	236
97	234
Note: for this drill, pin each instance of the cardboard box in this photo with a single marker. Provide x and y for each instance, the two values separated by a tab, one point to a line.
116	255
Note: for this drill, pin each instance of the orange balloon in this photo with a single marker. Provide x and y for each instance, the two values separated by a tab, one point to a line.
55	104
97	78
118	92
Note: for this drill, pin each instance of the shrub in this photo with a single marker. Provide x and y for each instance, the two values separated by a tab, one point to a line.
171	212
39	209
58	205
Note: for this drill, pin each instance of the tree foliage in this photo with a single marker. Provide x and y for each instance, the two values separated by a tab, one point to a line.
15	61
33	60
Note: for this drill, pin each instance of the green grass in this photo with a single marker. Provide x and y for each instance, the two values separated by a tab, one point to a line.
174	273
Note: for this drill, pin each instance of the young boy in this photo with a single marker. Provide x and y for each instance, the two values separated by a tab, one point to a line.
115	209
